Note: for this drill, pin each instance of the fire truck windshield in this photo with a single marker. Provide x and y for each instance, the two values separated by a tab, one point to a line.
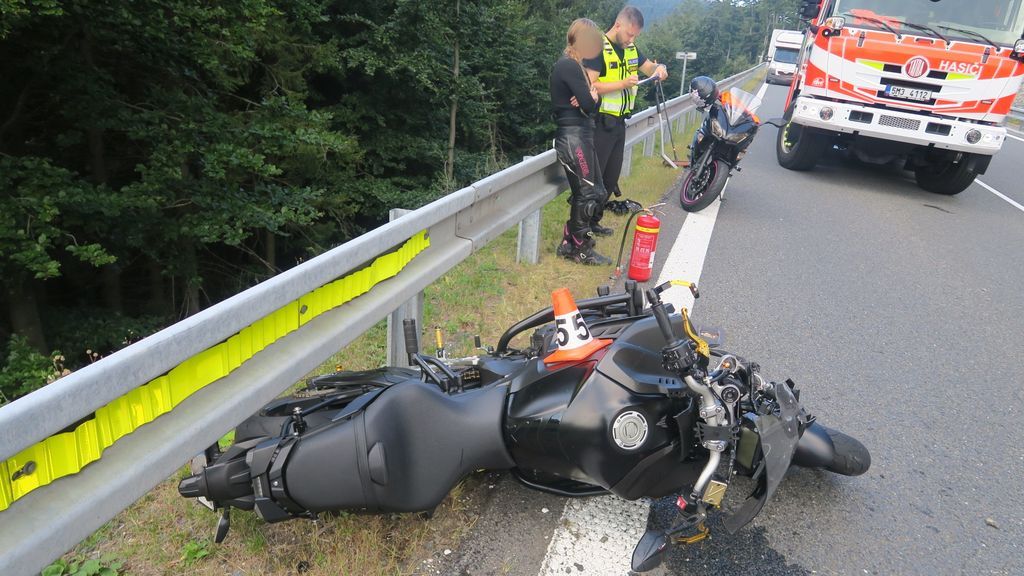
999	21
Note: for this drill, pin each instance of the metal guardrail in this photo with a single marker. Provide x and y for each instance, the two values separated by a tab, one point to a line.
47	521
1017	114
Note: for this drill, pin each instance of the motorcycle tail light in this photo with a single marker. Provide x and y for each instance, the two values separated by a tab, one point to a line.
681	502
973	136
826	113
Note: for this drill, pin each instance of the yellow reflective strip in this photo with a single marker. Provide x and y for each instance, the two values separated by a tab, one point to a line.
5	487
648	230
67	453
872	64
959	76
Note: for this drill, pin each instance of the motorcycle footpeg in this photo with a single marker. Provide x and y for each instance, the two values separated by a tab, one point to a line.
650	551
223	525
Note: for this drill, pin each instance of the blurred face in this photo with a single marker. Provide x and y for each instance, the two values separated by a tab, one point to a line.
590	45
626	32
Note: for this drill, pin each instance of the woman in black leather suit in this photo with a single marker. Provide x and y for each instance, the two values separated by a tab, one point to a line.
574	102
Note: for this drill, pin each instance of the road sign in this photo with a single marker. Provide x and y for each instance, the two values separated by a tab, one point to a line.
685	57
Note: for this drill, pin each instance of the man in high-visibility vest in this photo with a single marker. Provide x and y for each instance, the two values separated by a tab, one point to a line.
614	74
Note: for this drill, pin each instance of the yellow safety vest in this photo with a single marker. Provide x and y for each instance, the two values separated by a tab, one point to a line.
619	103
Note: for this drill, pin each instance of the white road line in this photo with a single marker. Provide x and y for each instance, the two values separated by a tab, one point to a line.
1009	135
1012	202
762	90
596	537
685	260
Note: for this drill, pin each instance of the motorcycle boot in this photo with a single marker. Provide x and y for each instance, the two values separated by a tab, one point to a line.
581	251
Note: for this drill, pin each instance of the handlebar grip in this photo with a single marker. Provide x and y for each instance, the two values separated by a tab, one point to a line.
412	343
661	315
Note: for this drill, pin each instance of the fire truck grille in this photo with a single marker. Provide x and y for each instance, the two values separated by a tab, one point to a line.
897	122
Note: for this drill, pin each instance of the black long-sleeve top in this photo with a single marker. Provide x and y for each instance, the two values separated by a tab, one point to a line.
567	80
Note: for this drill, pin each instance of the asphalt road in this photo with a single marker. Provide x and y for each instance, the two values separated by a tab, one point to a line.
900	314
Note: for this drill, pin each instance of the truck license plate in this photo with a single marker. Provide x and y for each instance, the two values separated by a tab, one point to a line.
908	93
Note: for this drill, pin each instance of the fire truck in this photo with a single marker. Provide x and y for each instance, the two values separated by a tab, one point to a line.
924	83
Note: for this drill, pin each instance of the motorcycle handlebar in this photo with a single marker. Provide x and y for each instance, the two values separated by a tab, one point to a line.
541	317
661	314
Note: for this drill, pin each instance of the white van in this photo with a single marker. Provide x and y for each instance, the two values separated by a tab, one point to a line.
782	56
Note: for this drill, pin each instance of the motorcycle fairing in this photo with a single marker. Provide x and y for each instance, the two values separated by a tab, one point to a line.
779	437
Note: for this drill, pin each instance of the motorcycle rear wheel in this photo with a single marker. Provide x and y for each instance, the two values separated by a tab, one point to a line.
701	187
851	457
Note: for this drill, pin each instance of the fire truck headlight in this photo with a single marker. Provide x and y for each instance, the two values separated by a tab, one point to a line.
973	136
825	113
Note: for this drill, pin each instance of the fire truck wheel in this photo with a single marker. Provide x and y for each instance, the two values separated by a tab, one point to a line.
947	178
798	148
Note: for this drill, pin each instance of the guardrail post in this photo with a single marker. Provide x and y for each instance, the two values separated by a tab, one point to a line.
528	243
627	161
411	308
649	145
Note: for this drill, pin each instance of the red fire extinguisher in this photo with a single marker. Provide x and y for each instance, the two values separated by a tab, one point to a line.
645	242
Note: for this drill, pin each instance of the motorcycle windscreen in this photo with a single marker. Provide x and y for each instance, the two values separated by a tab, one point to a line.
736	103
779	437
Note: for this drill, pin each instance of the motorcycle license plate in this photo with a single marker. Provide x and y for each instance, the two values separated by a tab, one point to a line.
916	94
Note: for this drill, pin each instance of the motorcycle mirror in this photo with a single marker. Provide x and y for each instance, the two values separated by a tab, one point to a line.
650	550
777	122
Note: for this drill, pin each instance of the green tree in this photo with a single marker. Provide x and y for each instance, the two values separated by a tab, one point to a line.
159	132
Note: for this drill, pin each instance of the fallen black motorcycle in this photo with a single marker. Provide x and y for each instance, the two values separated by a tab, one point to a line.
642	415
718	145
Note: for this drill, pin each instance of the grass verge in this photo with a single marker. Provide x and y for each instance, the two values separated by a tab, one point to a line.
165	534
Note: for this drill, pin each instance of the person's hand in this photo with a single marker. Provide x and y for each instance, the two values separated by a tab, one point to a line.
593	93
661	72
575	103
631	81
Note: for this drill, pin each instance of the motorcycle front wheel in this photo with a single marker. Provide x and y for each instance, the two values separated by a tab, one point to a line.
851	457
702	185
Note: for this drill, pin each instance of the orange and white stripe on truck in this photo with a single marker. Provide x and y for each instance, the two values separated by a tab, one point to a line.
967	80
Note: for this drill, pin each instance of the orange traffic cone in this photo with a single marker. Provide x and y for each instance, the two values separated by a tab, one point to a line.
571	332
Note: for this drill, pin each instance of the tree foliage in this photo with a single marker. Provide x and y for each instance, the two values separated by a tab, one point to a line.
727	35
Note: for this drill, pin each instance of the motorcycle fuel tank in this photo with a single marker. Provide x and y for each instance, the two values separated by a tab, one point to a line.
615	428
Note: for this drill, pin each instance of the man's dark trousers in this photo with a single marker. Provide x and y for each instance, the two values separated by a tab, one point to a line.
609	141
